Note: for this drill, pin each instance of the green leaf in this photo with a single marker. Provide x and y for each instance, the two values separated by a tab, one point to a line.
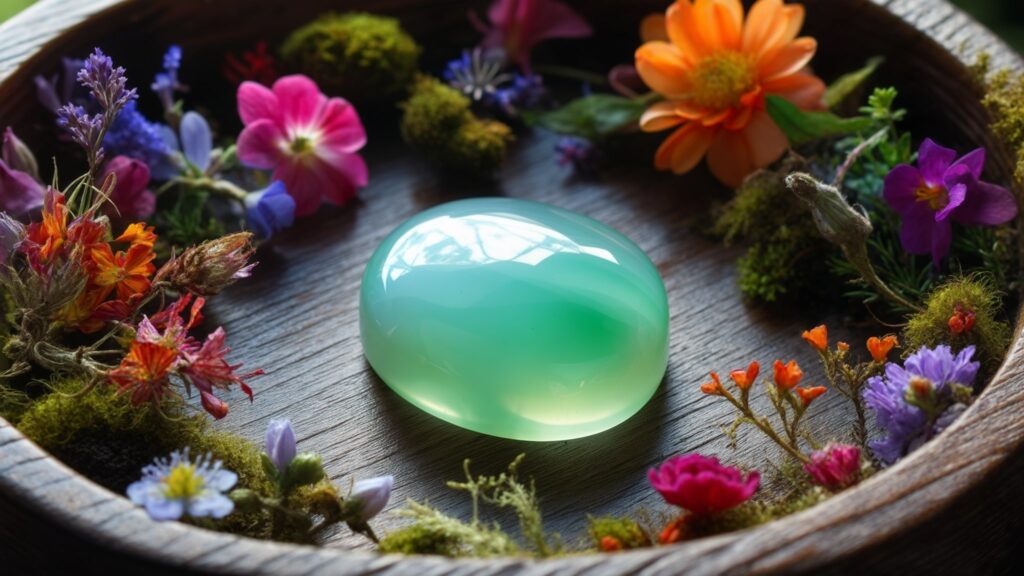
305	469
592	117
268	468
802	127
847	83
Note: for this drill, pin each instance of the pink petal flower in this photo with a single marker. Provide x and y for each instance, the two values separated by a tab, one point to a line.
258	144
835	467
701	485
519	25
130	197
256	102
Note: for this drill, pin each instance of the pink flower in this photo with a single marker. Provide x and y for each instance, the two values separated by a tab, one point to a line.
518	25
131	195
835	467
207	368
701	485
309	141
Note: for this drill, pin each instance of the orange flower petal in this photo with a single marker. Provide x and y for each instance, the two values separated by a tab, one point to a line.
766	141
652	28
661	66
740	120
787	59
681	151
720	118
803	89
682	22
794	15
729	158
721	23
660	116
766	23
817	337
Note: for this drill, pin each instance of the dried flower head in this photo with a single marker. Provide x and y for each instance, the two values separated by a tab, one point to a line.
207	269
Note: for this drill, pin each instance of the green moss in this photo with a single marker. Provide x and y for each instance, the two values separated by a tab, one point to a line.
360	56
437	121
419	539
100	434
779	265
754	513
624	530
762	203
989	335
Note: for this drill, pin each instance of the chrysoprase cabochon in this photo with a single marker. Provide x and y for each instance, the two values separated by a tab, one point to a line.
515	318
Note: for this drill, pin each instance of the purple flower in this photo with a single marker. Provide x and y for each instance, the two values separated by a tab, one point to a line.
579	153
477	74
270	210
516	26
132	135
196	140
20	189
928	373
12	233
85	129
524	92
46	89
131	196
835	467
166	83
173	487
280	446
18	156
372	496
940	190
108	85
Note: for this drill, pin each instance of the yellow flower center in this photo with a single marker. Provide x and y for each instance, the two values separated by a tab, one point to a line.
301	145
720	80
936	196
183	482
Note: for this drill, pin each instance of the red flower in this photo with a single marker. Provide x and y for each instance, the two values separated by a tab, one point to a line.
961	321
880	347
787	375
835	467
673	532
808	394
817	337
714	387
207	369
610	544
745	378
256	65
701	485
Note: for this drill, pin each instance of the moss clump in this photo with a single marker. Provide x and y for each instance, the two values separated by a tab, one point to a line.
437	121
624	530
753	513
963	297
786	257
419	539
101	434
356	55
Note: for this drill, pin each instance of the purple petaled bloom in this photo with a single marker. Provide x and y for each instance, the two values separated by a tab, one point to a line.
12	233
373	495
579	153
134	136
939	191
196	140
908	426
131	196
835	467
166	83
524	92
280	446
477	74
85	129
46	89
173	487
270	210
20	190
18	155
107	84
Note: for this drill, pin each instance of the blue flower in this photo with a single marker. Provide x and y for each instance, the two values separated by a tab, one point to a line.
476	74
166	83
372	496
173	487
280	446
931	373
134	136
196	140
270	210
524	92
579	153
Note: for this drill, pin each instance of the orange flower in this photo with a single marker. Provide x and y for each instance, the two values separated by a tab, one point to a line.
745	378
880	347
714	387
843	346
48	236
79	313
145	372
787	375
128	271
673	532
807	395
715	71
138	234
610	544
817	337
961	321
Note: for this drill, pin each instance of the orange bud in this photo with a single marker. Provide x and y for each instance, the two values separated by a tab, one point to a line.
787	375
745	378
714	387
610	544
880	347
673	532
817	337
808	394
843	346
921	386
961	321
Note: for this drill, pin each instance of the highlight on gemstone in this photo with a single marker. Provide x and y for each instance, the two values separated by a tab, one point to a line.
515	319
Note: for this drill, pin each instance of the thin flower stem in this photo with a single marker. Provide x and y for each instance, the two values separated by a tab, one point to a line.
764	426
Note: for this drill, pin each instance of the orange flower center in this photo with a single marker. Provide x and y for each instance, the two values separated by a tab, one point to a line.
720	80
936	196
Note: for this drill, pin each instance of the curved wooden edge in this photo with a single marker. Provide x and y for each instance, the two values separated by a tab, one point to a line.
912	491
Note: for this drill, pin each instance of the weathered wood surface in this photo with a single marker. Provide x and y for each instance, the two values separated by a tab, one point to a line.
952	506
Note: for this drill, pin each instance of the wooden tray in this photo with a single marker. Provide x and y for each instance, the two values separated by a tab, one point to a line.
952	504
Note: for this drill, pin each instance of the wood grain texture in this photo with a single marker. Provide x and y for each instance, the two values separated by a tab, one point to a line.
297	318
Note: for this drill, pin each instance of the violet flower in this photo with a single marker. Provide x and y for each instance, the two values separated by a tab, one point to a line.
133	135
270	210
835	467
46	88
18	156
196	140
372	495
131	197
20	191
280	445
940	190
701	485
929	378
166	83
516	26
174	487
579	153
477	74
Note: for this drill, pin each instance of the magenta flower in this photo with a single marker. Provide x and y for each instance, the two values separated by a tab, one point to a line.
308	140
701	485
207	369
519	25
939	191
835	467
131	195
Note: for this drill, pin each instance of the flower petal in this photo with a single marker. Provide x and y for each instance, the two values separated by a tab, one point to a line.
803	89
681	151
683	28
974	161
986	205
787	59
554	19
794	17
300	100
721	22
259	144
660	116
343	130
933	161
256	102
347	173
766	142
765	26
196	139
661	66
652	28
901	184
942	237
955	195
917	228
729	158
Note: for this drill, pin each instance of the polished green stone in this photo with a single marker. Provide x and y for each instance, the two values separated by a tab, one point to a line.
515	319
